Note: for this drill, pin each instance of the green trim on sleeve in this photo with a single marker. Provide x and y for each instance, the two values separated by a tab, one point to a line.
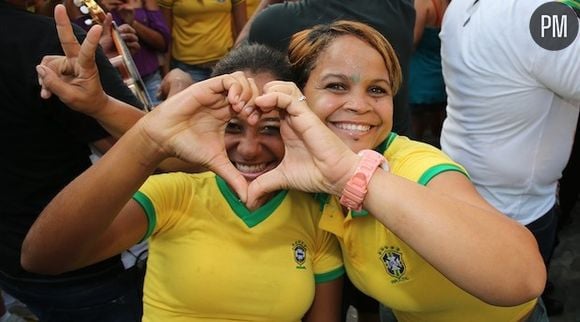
440	168
329	276
147	206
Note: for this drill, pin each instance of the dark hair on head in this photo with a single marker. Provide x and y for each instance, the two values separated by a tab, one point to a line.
255	58
307	45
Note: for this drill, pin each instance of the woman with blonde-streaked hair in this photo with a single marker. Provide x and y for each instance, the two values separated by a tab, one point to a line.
411	219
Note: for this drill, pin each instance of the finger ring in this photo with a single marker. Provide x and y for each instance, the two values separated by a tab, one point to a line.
301	98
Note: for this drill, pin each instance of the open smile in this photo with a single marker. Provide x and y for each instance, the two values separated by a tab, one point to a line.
252	171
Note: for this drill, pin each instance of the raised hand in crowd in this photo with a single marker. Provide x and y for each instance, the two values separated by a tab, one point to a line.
75	79
174	82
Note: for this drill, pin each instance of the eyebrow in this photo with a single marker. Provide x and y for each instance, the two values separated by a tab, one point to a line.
332	75
344	77
270	119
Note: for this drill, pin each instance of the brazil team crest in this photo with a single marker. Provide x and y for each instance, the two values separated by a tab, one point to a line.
299	249
392	259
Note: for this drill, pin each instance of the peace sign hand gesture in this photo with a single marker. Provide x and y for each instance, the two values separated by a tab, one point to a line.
74	78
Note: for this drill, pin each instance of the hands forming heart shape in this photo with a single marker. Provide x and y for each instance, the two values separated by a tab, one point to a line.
191	124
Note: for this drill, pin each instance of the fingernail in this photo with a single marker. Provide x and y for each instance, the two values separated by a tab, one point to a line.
40	70
254	117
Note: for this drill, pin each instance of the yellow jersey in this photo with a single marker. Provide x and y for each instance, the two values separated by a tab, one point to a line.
387	269
211	259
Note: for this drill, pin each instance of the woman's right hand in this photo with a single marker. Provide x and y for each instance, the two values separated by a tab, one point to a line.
191	124
74	77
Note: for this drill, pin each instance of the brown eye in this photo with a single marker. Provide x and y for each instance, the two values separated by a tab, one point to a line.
233	128
377	91
336	86
270	130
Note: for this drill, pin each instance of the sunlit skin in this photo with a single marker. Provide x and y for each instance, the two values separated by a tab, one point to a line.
255	149
350	94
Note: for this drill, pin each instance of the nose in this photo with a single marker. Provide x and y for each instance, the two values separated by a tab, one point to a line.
249	147
357	103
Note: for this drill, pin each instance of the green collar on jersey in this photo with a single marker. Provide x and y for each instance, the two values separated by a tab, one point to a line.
250	218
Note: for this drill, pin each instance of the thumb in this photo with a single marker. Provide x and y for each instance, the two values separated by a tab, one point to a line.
260	187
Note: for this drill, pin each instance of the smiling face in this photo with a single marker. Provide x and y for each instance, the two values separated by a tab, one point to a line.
349	89
255	149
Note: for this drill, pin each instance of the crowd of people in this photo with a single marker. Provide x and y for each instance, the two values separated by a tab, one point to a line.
279	178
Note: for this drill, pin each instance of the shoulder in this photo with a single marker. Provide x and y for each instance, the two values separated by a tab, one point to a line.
418	161
403	148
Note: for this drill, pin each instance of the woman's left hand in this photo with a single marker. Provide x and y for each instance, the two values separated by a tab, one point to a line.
74	77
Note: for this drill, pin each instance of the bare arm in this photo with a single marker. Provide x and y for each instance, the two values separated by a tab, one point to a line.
327	302
148	35
94	217
104	145
421	15
78	85
471	236
448	223
239	18
168	14
100	222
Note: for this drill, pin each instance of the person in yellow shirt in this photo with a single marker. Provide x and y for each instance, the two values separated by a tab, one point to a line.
418	226
415	235
210	257
251	6
202	32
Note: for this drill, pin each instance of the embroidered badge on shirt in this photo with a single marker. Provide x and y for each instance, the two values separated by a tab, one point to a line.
392	259
299	249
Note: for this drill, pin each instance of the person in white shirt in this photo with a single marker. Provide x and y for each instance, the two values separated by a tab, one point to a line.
512	108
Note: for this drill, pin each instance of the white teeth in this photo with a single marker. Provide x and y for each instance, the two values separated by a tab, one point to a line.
353	127
250	168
